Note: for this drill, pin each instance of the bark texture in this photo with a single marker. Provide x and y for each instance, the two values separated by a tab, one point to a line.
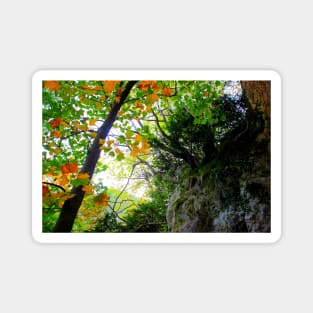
71	206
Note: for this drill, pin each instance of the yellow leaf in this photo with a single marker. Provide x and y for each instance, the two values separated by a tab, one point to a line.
101	141
135	151
152	98
109	142
56	134
145	143
148	108
101	200
93	134
83	176
83	128
109	85
88	189
138	137
92	122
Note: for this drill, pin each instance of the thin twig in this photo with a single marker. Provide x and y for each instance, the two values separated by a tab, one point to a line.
55	185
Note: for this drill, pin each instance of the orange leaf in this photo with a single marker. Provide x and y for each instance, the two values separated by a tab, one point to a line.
88	189
135	151
118	151
152	98
83	176
56	122
92	122
143	86
109	142
72	167
109	85
45	190
52	85
154	86
83	128
145	144
56	134
101	200
138	137
138	105
167	92
148	108
64	169
69	168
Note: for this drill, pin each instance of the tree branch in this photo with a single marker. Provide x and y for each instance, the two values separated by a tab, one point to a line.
55	185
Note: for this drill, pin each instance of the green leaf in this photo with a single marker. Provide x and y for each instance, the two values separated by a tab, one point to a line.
80	182
129	134
120	157
121	139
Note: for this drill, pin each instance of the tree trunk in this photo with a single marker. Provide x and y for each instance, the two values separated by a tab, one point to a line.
259	95
71	206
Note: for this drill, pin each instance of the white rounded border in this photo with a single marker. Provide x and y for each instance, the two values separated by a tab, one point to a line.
276	148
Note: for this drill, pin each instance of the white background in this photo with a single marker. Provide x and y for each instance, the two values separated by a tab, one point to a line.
155	34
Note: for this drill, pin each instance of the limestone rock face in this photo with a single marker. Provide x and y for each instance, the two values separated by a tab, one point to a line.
238	203
233	194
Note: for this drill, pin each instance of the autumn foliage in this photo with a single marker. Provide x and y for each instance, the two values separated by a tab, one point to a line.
69	168
52	85
75	111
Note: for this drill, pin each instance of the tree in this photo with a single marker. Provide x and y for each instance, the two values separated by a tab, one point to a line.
71	206
68	108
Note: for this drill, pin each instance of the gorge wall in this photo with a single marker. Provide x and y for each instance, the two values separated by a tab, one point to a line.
232	192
